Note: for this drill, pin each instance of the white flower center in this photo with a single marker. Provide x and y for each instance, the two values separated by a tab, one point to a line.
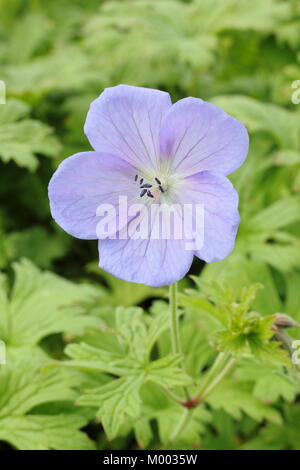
161	186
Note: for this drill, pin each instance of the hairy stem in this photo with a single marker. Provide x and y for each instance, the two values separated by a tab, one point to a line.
218	364
185	419
216	378
220	368
175	336
175	333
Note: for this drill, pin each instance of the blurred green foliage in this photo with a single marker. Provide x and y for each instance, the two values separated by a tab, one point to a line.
90	363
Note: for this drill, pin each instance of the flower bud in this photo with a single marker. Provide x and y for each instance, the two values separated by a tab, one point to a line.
284	321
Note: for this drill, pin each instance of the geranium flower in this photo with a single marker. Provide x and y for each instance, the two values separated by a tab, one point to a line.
152	152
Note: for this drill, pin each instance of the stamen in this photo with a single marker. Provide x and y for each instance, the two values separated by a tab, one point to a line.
143	192
136	177
146	185
141	180
161	189
149	194
157	180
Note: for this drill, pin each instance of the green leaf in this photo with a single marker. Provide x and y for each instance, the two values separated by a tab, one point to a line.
169	420
237	398
131	331
239	271
282	257
287	436
42	303
271	382
20	141
286	157
236	328
158	325
117	401
63	69
30	243
45	432
292	306
23	45
13	110
281	123
143	432
86	357
283	212
24	387
222	436
167	373
123	293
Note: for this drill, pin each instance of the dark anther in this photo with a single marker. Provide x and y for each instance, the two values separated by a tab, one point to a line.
157	180
136	177
143	192
146	185
149	194
141	180
161	189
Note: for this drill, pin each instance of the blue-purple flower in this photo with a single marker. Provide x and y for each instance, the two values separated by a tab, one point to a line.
154	153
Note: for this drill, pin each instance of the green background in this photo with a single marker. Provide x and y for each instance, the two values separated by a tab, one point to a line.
55	58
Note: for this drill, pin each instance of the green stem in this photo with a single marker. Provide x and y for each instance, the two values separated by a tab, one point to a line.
185	419
172	395
220	368
175	333
218	364
212	384
175	336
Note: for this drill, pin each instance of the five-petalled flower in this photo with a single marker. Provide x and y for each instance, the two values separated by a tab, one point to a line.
154	152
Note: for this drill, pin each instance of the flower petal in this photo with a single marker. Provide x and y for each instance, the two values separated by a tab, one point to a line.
221	217
82	183
154	262
125	120
197	136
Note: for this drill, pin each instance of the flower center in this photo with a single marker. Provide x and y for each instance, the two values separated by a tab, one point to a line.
155	187
150	187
